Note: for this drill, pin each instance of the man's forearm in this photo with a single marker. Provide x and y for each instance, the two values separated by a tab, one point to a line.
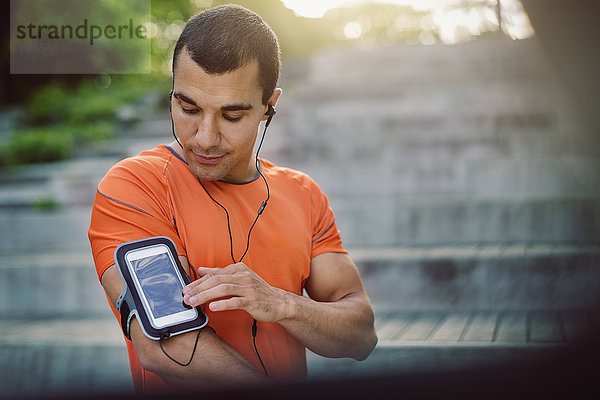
210	359
343	328
213	363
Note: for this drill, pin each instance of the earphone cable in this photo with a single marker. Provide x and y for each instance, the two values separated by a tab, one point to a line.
174	360
228	222
254	330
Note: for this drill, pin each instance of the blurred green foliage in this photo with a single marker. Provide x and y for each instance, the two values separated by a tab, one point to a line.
60	119
35	145
46	203
89	102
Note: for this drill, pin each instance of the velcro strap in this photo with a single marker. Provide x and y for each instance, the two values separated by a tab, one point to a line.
125	311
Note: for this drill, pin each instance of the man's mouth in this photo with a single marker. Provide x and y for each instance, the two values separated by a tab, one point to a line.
207	159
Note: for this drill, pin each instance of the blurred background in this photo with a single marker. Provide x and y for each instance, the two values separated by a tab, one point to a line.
458	142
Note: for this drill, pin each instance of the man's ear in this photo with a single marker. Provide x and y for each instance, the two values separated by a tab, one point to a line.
273	101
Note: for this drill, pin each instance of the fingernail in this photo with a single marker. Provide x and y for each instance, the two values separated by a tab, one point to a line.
213	306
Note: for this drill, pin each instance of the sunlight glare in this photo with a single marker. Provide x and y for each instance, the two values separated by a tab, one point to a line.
316	8
352	30
453	24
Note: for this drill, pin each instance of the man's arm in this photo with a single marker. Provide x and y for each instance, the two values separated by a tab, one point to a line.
214	362
338	314
336	321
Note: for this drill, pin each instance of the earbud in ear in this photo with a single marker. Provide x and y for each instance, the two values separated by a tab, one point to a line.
270	112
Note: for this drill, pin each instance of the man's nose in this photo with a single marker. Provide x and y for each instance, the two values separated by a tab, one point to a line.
207	134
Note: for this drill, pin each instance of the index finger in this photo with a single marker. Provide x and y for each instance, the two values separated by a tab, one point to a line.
205	272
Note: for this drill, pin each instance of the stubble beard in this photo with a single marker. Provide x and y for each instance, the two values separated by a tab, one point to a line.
219	171
210	172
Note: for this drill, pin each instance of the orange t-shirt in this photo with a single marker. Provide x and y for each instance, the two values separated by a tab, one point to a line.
156	194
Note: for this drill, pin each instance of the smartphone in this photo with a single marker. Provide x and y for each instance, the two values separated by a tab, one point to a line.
156	274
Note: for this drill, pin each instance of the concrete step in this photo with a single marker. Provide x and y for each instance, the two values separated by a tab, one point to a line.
468	172
69	183
25	231
459	220
478	89
438	65
50	284
444	358
526	277
410	278
442	342
70	357
78	355
40	369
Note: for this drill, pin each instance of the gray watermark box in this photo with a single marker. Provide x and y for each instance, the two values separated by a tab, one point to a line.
80	37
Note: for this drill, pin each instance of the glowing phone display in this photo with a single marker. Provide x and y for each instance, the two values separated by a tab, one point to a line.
155	272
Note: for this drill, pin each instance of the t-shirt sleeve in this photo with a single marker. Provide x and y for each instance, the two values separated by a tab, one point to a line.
325	233
131	203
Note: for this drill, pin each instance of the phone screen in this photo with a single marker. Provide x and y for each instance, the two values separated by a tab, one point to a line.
156	274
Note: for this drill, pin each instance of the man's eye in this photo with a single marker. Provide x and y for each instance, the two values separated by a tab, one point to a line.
231	119
189	110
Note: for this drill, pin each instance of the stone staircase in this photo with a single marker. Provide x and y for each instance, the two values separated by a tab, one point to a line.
57	334
443	342
465	177
463	186
467	144
447	308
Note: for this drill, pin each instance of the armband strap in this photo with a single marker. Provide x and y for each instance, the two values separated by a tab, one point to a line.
126	313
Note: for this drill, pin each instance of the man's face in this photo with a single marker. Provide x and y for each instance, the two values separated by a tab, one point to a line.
216	118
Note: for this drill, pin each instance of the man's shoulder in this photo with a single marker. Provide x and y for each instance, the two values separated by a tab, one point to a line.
295	184
151	161
289	175
144	169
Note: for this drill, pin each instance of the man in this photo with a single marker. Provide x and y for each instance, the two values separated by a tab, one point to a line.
203	191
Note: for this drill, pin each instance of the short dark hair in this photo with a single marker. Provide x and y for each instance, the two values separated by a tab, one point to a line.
225	38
